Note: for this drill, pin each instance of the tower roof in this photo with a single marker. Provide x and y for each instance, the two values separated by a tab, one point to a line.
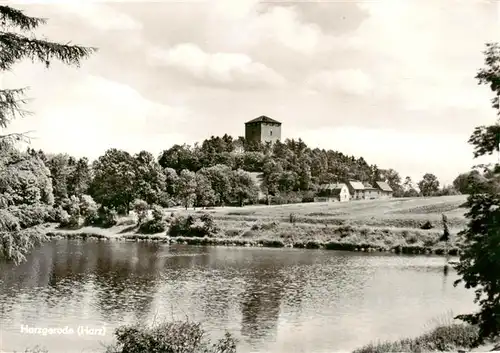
263	119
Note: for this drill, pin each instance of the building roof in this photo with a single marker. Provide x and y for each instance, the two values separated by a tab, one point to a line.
382	185
263	119
369	186
356	185
334	186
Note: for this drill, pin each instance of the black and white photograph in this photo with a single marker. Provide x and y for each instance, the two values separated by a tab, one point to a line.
245	176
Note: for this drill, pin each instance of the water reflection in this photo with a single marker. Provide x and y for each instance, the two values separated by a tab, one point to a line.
260	303
280	300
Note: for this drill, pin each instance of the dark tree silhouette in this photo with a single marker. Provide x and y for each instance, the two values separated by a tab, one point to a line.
479	265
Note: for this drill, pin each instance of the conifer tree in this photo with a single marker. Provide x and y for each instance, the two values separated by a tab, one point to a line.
18	42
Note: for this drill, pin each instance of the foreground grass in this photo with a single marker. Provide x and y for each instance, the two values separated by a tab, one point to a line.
189	337
449	338
165	337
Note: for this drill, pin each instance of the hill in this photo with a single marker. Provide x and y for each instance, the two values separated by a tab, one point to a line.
396	213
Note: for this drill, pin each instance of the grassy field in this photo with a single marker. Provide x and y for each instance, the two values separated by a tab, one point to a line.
371	225
393	213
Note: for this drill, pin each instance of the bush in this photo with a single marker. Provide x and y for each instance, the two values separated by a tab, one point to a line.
291	197
15	245
427	225
155	225
72	207
57	215
152	227
104	218
191	227
441	339
157	213
30	215
179	226
71	222
8	222
264	226
172	337
88	207
141	208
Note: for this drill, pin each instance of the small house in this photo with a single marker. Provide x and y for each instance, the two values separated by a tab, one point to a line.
384	189
337	192
369	192
356	189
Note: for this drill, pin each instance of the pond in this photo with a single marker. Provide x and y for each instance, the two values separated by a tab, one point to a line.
272	300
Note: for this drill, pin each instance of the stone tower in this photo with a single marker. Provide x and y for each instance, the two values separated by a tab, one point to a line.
262	129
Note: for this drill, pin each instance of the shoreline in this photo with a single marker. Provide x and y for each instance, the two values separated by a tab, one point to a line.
259	242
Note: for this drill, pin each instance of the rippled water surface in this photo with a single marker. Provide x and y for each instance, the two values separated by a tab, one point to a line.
272	300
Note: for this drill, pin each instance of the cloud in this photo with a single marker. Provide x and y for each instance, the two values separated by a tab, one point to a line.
222	68
351	81
426	60
415	60
93	114
99	15
282	26
410	153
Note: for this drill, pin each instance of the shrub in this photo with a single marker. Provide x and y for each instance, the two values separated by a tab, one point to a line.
57	215
264	226
441	339
71	222
157	213
8	222
155	225
30	215
105	218
15	245
191	227
72	207
152	227
88	207
308	196
179	226
427	225
172	337
141	209
208	223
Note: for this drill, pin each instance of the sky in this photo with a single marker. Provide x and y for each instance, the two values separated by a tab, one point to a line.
391	81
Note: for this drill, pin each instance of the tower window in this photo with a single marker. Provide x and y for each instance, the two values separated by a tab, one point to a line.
271	132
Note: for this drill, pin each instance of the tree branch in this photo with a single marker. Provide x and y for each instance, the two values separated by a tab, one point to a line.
15	47
10	17
16	137
10	105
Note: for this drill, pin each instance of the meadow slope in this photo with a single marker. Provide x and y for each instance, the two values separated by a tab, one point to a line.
371	225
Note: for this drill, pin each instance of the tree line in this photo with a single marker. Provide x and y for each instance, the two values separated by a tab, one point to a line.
214	173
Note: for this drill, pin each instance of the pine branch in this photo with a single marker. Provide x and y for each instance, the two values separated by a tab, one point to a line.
16	137
10	17
15	47
10	105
